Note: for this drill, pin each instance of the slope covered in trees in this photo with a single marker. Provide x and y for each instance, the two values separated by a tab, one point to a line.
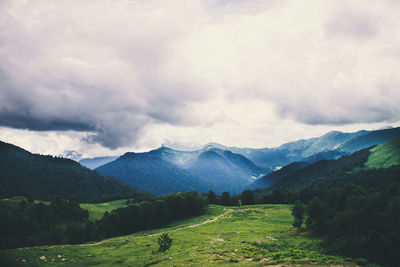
325	172
376	165
354	222
47	177
370	139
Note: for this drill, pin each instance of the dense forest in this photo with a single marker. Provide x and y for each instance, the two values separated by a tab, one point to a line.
353	221
64	222
31	224
47	177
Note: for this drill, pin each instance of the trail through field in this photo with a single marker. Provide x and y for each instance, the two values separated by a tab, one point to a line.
194	225
169	231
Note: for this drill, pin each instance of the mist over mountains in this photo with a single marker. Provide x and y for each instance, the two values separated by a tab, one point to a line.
232	169
165	170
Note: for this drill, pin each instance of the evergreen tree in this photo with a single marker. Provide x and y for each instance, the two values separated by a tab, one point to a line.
211	197
226	199
298	211
165	243
247	197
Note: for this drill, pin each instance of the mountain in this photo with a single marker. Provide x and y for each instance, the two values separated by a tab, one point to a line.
271	158
370	139
272	178
332	145
93	163
224	170
166	170
48	177
377	165
151	173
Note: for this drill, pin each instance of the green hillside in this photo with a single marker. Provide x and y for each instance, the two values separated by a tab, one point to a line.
46	177
250	236
384	156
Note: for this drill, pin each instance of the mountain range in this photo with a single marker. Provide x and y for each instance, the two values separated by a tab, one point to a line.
216	167
358	142
232	169
376	165
166	170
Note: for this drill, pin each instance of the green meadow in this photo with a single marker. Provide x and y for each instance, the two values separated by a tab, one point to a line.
258	235
384	156
96	211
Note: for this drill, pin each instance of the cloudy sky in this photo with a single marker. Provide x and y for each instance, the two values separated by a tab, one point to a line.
106	76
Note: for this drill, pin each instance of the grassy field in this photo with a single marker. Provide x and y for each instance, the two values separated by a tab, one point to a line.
11	202
384	156
96	211
258	235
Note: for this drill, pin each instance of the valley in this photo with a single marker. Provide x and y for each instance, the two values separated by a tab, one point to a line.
74	216
258	235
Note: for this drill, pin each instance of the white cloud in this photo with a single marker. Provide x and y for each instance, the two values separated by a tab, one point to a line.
133	74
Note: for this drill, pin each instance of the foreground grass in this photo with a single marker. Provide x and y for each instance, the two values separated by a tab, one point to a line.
258	235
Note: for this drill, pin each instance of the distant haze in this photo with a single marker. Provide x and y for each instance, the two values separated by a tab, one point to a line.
105	77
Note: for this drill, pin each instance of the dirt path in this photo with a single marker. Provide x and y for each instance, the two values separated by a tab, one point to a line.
169	231
194	225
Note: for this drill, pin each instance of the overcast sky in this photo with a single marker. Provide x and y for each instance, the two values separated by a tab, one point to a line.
107	76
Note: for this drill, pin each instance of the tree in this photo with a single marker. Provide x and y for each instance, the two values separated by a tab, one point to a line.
162	212
319	214
247	197
298	211
211	197
165	243
226	199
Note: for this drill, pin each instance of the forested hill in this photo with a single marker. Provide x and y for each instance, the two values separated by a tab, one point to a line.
48	177
377	166
370	139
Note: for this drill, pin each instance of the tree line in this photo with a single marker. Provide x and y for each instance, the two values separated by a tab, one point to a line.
65	222
250	197
32	224
353	221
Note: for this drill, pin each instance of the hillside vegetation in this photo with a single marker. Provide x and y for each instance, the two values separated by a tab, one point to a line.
47	177
384	156
249	236
370	139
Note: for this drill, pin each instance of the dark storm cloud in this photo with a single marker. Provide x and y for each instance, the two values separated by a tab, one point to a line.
115	69
110	75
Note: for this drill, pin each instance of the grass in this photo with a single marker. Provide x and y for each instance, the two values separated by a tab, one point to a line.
255	235
11	202
384	156
96	211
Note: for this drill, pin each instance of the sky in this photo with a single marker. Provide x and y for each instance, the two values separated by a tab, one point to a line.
103	77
